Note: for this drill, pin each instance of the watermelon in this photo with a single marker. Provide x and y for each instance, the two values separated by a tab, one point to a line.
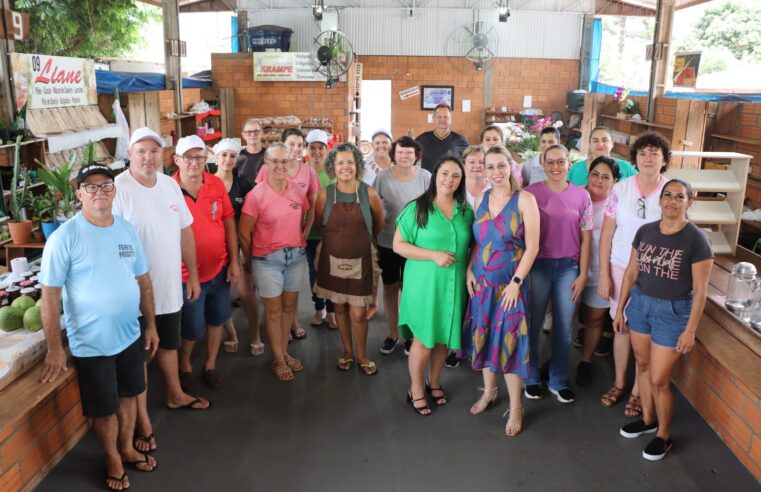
33	319
23	302
11	318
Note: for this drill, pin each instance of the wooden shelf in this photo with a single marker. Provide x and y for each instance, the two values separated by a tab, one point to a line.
708	180
719	243
652	125
179	117
25	142
737	139
712	212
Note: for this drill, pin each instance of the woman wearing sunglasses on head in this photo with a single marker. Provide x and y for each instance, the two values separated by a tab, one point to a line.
665	285
632	203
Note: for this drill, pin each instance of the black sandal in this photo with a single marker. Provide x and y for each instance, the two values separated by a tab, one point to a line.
438	400
145	461
145	439
423	411
116	479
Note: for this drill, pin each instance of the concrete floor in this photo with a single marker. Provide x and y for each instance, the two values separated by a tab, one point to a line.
334	431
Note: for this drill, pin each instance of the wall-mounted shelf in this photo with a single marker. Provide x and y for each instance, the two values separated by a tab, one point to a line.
737	139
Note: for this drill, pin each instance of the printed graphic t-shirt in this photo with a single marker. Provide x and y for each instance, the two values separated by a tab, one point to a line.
665	261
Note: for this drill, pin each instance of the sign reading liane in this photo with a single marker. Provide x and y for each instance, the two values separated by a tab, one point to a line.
43	81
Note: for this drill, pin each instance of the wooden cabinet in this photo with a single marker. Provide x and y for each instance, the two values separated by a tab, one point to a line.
722	213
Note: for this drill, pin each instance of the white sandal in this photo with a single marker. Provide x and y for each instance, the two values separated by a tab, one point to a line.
257	349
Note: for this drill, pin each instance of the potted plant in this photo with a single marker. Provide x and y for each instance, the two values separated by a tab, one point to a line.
44	209
58	182
20	227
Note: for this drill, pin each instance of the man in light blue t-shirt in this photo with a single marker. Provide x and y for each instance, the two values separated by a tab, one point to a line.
97	262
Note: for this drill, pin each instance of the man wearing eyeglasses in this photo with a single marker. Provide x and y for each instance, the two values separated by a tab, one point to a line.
152	202
250	158
216	242
97	262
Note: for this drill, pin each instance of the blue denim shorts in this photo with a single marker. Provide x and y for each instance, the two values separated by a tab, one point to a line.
211	308
663	320
281	270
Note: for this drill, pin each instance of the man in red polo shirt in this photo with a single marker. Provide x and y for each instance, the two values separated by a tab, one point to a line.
216	242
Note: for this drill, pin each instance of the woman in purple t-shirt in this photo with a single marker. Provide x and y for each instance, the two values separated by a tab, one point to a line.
667	278
560	270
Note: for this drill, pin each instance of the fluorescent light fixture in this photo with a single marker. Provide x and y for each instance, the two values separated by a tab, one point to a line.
317	9
504	10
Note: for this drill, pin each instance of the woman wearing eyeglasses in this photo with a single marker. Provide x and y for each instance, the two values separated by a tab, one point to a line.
600	144
667	277
271	228
632	203
603	174
560	270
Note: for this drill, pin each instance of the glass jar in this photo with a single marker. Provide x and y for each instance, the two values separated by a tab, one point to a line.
741	288
13	292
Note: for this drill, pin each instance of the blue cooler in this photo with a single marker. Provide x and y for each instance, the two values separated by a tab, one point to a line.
269	38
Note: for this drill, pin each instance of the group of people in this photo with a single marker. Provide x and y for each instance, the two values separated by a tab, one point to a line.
474	251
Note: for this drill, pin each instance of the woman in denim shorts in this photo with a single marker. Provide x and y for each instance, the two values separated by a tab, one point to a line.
665	285
271	228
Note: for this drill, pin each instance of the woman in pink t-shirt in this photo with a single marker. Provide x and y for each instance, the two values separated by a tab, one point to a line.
272	228
560	270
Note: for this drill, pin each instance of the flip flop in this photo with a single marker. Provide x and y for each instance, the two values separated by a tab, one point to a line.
344	363
146	439
231	346
298	333
257	349
190	406
116	479
141	462
369	368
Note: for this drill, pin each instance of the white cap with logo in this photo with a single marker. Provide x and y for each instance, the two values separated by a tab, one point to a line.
145	133
382	131
187	143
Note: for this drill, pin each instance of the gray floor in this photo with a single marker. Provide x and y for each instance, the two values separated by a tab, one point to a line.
335	431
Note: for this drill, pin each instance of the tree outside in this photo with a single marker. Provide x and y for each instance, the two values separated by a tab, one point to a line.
85	28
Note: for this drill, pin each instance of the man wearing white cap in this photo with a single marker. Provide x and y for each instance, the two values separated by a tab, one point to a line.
153	203
379	159
317	147
216	244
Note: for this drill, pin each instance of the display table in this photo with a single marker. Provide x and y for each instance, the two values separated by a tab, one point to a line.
721	377
13	250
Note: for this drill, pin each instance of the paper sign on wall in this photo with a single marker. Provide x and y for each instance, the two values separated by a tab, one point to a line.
408	93
526	101
273	66
466	105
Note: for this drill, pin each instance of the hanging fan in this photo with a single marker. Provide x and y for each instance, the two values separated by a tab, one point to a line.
332	55
477	42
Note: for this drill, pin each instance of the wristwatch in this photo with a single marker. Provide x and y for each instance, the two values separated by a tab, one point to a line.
517	280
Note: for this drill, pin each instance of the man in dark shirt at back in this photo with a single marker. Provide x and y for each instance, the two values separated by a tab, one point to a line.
441	140
250	158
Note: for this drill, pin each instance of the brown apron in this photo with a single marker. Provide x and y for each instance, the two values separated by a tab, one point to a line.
345	261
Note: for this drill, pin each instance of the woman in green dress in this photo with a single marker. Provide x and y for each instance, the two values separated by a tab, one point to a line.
434	234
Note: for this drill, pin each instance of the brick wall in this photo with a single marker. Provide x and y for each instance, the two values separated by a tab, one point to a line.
39	432
730	407
260	99
511	80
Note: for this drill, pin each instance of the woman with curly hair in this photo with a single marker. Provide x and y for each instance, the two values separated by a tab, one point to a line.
349	216
632	203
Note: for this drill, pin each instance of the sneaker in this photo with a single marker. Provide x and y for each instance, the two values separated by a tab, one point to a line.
452	360
407	345
564	395
547	326
388	346
317	318
579	340
583	373
604	347
533	391
657	449
637	428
